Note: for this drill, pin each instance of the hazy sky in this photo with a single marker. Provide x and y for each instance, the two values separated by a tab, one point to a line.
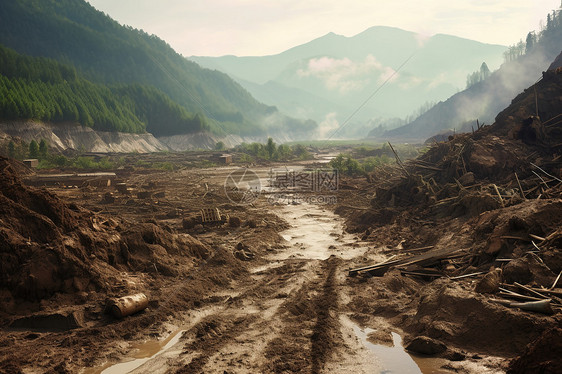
261	27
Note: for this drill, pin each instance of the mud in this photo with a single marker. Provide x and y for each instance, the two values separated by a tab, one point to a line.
278	312
270	292
284	310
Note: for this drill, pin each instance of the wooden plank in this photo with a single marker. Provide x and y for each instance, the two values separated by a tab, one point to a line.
423	259
468	275
556	281
433	275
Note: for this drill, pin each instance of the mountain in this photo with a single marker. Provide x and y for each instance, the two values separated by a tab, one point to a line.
484	100
348	70
43	89
104	52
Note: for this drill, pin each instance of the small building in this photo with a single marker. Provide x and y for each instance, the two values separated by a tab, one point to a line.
31	162
225	159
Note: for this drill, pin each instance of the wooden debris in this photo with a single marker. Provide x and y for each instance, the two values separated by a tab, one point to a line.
499	195
520	188
418	249
373	269
426	259
127	305
550	175
514	238
539	306
556	281
467	275
398	161
530	290
506	290
537	237
424	272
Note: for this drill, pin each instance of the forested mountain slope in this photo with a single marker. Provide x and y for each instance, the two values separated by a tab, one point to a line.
484	100
76	34
43	89
341	70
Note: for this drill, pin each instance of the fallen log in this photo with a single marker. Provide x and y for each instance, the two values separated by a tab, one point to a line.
127	305
514	295
540	306
468	275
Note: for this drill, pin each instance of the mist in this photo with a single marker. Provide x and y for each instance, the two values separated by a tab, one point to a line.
482	101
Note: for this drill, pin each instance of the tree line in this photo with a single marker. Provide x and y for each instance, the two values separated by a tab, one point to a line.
478	75
548	33
36	88
104	52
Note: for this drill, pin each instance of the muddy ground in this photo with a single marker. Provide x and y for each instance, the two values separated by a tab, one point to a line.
270	294
432	254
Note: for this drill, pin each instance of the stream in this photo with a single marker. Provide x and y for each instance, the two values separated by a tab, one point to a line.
316	233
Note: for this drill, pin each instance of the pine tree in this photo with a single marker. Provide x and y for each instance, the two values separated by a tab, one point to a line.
33	149
484	71
270	147
43	149
11	149
530	42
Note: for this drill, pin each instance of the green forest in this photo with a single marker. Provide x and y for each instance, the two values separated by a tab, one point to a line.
120	69
43	89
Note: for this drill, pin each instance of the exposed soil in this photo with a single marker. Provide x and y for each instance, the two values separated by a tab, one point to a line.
269	290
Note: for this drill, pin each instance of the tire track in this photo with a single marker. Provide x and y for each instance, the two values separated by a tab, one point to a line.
311	327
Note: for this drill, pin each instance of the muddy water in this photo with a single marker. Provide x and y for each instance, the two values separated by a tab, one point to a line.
145	352
395	359
150	353
316	233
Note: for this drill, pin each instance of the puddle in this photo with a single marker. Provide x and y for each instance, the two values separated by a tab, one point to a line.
143	352
316	232
395	360
150	350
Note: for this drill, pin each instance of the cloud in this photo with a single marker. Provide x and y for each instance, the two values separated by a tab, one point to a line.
328	125
410	82
422	38
346	75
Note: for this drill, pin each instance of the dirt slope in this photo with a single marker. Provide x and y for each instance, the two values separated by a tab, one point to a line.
496	195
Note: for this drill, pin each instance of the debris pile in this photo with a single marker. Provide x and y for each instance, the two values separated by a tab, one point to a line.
48	246
475	222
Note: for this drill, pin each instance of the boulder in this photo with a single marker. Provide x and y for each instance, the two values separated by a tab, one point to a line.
490	283
426	346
